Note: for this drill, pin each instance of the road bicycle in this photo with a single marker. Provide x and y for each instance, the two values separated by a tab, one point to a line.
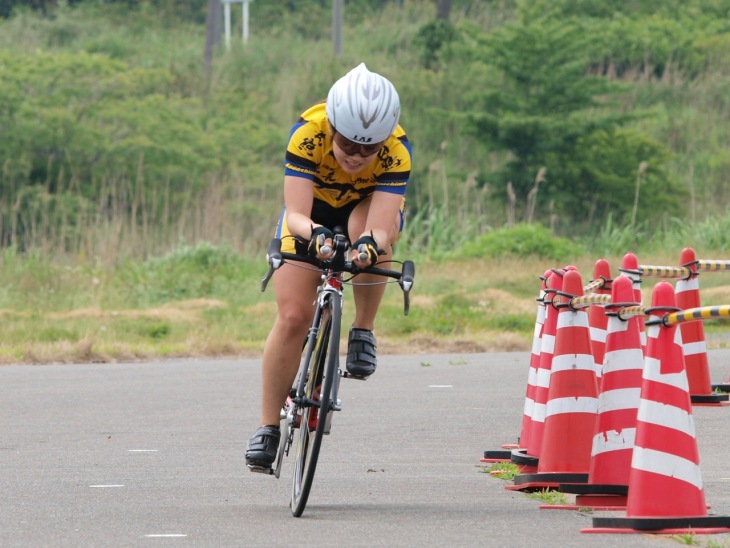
314	397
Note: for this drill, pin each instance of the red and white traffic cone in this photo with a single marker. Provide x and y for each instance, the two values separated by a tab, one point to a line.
630	269
534	361
666	495
618	403
687	293
572	404
553	284
597	319
528	455
505	454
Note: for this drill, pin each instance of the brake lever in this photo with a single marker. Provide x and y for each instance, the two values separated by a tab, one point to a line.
275	260
406	283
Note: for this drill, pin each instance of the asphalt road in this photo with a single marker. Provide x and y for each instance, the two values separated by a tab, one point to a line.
151	454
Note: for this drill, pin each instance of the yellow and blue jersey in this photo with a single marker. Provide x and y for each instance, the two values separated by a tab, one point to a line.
309	155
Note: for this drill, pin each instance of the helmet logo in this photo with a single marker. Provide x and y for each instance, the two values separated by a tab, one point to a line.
362	139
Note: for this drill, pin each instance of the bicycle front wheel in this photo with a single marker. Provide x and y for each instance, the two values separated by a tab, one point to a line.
322	369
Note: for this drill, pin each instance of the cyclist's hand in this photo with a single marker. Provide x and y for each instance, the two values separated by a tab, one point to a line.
320	246
365	252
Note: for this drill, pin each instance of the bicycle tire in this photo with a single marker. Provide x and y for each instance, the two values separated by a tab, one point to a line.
323	365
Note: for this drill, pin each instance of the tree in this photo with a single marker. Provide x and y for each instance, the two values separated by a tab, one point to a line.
546	108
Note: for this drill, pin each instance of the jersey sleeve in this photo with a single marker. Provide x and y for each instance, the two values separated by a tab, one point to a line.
395	167
304	151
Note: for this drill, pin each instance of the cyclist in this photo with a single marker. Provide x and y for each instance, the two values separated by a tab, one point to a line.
347	164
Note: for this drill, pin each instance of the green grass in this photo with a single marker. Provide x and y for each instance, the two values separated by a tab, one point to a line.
205	300
503	470
549	496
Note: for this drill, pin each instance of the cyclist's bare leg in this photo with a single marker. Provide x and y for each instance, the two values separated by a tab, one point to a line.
368	297
296	291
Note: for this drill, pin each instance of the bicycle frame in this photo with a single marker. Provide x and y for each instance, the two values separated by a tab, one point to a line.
328	294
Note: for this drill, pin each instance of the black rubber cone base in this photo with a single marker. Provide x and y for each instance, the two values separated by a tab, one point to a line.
710	399
696	525
545	480
520	456
593	489
497	455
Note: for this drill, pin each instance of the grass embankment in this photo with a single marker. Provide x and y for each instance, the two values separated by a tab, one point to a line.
184	307
206	301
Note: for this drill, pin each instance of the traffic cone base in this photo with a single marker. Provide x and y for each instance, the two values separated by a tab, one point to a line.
596	496
544	481
713	400
597	503
527	463
500	455
593	489
700	525
496	456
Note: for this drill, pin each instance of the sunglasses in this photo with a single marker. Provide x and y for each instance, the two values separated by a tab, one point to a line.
350	148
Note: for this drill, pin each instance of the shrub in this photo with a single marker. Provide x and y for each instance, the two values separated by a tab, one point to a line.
522	240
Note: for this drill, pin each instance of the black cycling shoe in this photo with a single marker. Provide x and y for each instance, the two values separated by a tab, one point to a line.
361	357
262	447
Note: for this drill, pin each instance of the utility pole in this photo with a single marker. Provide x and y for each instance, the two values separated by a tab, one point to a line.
244	30
227	20
337	26
212	33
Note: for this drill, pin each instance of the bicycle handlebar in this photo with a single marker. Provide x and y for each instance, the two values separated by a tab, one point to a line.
339	263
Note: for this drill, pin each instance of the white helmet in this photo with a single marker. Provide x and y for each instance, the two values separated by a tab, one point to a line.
363	106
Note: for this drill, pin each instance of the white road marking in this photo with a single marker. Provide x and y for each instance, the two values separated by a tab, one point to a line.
105	486
440	385
143	450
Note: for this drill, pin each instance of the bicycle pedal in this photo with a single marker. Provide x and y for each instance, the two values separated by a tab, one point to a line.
269	471
347	375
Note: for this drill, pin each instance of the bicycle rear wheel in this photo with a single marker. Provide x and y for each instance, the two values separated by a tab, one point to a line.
322	368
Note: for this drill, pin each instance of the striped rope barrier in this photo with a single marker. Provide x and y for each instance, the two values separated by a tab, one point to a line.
713	266
683	272
598	283
584	301
626	312
699	313
651	271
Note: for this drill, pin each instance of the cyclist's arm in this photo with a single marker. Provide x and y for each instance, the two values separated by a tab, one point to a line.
383	221
298	198
383	218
